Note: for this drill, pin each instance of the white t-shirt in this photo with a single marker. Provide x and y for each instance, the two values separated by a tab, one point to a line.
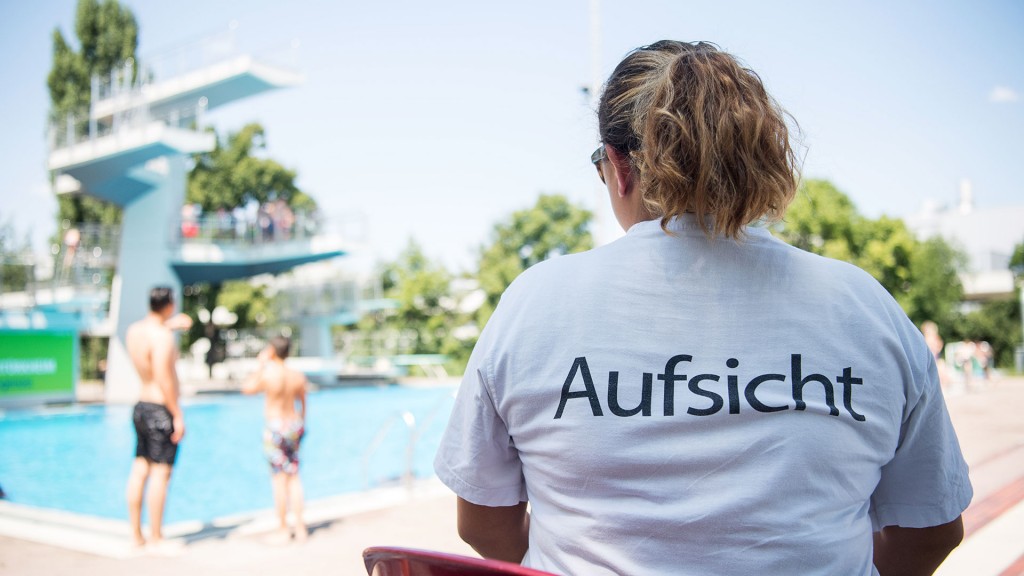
678	405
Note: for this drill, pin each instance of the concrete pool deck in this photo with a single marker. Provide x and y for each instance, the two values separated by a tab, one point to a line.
988	421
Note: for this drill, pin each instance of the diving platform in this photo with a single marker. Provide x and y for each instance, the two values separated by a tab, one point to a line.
219	84
114	167
133	149
216	262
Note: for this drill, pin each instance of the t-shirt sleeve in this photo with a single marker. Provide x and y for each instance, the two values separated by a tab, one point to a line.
477	458
926	483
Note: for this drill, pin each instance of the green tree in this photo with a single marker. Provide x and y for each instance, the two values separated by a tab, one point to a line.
107	36
822	220
884	248
1017	260
934	291
15	259
249	301
552	227
232	174
996	322
422	321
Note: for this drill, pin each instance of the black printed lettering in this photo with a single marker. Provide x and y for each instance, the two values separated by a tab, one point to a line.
716	400
799	382
580	365
645	396
848	382
734	387
670	378
751	390
702	385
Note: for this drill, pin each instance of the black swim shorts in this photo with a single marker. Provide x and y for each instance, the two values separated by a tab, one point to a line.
153	426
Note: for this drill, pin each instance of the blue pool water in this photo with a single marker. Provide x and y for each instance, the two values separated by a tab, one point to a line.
78	459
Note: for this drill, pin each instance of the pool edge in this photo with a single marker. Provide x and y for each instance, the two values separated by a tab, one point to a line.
111	538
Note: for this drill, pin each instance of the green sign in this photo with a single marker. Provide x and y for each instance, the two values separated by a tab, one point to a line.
37	363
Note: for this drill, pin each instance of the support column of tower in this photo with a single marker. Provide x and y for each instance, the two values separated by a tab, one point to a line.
148	239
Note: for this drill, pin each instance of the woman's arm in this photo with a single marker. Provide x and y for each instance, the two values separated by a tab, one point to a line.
912	551
496	532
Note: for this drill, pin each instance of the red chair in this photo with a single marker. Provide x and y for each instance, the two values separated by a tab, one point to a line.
389	561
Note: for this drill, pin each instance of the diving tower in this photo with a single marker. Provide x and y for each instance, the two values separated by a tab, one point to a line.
133	150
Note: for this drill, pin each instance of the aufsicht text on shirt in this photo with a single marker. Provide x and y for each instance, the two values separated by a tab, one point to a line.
708	393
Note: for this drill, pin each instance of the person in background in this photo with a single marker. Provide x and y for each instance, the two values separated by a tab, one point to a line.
964	357
72	239
984	358
189	221
930	330
284	219
265	221
285	426
698	397
158	419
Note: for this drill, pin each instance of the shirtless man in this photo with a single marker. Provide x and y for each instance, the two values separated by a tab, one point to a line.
284	388
158	419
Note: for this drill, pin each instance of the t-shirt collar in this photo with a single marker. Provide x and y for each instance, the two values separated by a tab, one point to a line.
687	224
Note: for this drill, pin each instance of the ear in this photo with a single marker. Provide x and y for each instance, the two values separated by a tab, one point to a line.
623	172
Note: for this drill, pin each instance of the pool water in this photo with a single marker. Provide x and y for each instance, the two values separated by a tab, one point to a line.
78	459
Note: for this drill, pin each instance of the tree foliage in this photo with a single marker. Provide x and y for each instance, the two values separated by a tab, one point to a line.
996	322
68	81
108	36
229	176
933	290
422	321
15	258
249	301
430	317
552	227
232	174
999	322
822	220
1017	260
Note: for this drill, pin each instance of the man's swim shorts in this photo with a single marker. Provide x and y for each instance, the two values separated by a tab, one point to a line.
154	426
281	445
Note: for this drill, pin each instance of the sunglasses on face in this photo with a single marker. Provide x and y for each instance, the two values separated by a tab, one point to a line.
599	156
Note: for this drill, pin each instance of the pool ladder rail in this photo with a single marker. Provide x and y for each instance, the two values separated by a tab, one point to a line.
415	433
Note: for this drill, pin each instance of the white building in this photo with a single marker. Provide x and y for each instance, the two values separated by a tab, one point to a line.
986	235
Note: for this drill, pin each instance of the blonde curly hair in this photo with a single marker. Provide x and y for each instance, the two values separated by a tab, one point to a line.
701	134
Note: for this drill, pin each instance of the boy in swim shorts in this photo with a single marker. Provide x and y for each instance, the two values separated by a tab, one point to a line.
158	419
284	388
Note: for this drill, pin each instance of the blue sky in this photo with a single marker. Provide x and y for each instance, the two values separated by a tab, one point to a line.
435	120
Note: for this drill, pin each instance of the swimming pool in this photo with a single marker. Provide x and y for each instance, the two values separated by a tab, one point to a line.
78	459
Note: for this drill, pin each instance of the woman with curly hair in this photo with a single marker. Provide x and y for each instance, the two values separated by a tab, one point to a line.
699	397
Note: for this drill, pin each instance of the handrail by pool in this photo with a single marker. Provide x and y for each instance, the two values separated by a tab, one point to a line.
410	422
415	433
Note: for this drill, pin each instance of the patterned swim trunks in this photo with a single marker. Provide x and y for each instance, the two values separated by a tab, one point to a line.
281	445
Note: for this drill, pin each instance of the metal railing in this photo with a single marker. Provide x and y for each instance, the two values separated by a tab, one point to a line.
76	129
415	431
17	272
328	298
259	228
82	263
207	51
